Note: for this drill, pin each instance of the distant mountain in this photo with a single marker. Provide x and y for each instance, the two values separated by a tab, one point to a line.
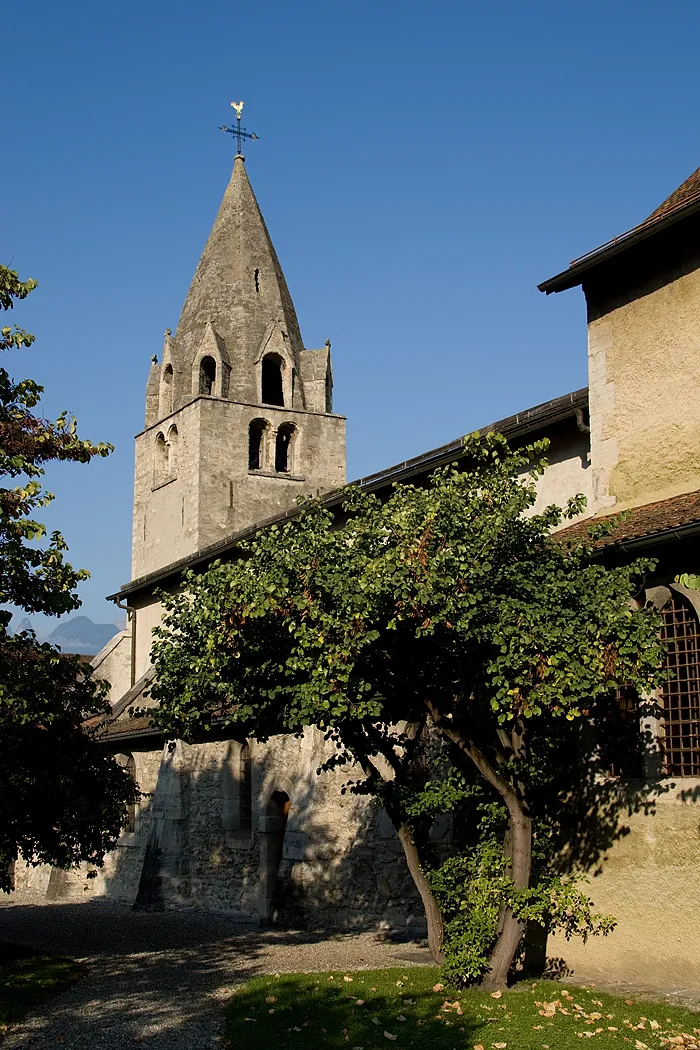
81	635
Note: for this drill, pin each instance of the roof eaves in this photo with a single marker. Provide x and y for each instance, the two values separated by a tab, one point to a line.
572	276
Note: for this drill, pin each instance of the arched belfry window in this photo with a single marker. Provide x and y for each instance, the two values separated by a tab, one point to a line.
160	459
257	437
284	447
172	450
272	386
207	375
166	391
681	692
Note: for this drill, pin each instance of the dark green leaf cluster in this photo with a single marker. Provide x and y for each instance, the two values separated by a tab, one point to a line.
63	798
450	605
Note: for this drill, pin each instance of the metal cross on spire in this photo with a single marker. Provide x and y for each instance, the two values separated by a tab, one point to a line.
237	130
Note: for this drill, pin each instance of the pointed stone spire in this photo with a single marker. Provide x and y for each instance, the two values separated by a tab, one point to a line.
152	392
238	289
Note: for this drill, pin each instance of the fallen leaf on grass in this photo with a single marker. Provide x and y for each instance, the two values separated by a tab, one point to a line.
375	1020
499	1046
496	995
401	1018
639	1045
438	987
478	1046
409	1002
346	978
294	1029
388	1035
359	1002
270	999
250	1018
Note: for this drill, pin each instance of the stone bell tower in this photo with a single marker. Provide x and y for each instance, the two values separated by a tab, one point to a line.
239	416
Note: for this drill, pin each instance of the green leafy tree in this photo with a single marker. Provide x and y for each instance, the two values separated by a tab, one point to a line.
64	799
446	608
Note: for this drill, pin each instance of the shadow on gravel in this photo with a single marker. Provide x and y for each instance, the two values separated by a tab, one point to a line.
160	977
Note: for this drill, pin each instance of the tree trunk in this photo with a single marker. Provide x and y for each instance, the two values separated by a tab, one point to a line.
433	915
512	929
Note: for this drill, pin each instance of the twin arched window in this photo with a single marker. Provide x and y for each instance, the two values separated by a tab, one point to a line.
165	456
259	452
257	434
283	448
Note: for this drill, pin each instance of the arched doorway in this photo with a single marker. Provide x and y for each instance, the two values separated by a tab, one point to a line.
272	828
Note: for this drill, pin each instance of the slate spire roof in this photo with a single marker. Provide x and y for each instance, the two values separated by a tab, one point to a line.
238	286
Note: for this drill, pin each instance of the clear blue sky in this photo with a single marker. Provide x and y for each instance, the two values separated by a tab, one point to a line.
421	167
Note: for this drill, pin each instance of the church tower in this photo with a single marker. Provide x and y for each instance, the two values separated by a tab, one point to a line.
239	416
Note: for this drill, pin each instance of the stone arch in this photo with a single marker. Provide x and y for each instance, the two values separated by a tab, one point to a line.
258	439
172	447
208	375
160	459
237	788
272	377
165	400
284	448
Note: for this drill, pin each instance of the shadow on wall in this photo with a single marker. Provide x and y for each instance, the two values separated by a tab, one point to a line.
267	843
293	851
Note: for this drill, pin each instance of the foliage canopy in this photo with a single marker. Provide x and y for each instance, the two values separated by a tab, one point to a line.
444	608
64	799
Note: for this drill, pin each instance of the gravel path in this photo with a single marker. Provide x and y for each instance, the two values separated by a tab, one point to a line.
161	978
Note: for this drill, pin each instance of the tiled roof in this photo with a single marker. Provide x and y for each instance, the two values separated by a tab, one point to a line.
105	727
649	520
688	191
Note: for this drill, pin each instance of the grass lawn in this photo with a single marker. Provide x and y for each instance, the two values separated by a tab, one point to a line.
27	978
410	1008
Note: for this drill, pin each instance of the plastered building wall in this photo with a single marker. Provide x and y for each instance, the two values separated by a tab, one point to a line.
650	882
568	471
644	378
113	664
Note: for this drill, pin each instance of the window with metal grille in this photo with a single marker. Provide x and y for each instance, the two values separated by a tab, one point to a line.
681	691
619	733
245	799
